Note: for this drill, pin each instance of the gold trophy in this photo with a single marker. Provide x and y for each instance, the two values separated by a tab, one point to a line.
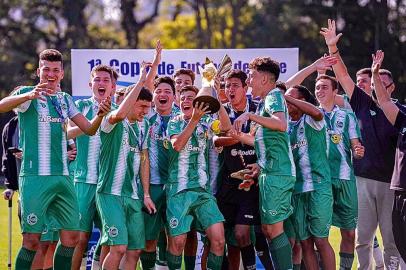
207	93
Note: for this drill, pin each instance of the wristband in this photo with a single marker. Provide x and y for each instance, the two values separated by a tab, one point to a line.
334	52
147	196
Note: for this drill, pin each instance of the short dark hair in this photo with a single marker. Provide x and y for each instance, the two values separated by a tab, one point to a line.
165	79
51	55
266	64
386	72
189	88
333	80
113	73
366	71
281	85
238	74
145	95
185	71
306	94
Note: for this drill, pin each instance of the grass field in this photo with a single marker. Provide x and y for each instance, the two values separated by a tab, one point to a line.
16	239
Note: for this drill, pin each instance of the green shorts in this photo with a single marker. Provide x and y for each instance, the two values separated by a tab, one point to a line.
48	196
312	213
189	205
288	226
122	221
345	206
51	231
155	223
275	192
87	205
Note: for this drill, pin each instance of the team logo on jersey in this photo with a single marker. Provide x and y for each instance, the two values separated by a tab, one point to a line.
301	130
173	223
113	231
339	124
373	113
32	219
336	138
404	131
166	144
43	105
273	212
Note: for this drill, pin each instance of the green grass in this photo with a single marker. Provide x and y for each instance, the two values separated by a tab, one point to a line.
16	235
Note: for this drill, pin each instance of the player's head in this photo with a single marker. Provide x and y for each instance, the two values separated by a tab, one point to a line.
119	95
387	80
282	86
363	77
183	77
50	68
102	81
142	106
164	94
187	95
236	86
302	93
326	89
264	72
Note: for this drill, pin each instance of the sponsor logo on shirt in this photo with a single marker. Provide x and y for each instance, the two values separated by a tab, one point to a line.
194	148
235	152
299	144
50	119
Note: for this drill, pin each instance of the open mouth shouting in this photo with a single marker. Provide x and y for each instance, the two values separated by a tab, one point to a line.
101	91
186	107
163	100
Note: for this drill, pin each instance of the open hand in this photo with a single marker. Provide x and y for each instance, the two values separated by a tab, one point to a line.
158	53
240	121
324	63
377	60
199	110
329	33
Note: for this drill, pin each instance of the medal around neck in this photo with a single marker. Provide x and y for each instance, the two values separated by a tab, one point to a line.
207	93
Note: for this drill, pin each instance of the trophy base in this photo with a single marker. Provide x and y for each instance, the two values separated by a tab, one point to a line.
213	103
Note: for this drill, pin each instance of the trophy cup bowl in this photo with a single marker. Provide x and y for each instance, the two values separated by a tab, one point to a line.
207	93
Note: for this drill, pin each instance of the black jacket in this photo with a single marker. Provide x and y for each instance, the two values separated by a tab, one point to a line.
8	161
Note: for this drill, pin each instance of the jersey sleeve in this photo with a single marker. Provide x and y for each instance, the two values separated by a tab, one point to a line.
23	107
105	125
400	122
353	128
317	125
274	102
72	109
174	127
359	99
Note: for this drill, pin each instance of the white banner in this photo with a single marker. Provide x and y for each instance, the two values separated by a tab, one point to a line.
128	62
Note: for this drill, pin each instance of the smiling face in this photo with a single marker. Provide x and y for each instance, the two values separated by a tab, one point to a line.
186	103
235	91
182	80
324	91
101	85
51	73
163	98
364	82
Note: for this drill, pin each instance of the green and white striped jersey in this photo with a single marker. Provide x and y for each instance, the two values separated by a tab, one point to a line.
158	149
308	139
43	133
273	147
189	168
88	147
120	157
342	126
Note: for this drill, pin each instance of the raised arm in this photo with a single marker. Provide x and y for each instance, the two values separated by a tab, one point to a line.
153	71
10	102
145	181
389	108
339	68
179	141
306	108
322	64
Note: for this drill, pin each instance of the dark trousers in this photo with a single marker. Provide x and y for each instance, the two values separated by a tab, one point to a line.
399	222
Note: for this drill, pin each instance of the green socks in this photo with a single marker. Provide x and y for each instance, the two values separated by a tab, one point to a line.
174	262
24	259
346	261
281	252
63	257
214	262
190	262
161	260
148	260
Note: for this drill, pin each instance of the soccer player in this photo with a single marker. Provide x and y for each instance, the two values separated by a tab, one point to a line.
182	77
375	169
398	119
158	150
188	199
238	206
124	156
274	154
102	84
313	199
45	186
344	143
